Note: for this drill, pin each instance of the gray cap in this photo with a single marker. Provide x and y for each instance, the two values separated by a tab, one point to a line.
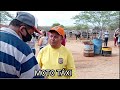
28	19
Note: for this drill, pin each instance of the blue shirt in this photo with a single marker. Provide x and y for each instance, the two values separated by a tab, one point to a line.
106	34
16	57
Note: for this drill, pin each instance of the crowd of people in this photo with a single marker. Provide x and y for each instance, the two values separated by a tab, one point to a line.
17	51
106	35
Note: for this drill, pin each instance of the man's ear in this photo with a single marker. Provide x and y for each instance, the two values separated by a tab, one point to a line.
22	29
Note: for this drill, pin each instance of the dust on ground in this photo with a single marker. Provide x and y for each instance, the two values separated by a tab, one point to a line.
97	67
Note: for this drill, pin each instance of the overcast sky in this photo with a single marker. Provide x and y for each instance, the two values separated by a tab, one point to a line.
48	18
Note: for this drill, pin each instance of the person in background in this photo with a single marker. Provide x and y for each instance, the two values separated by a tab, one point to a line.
116	37
37	35
76	35
57	58
16	57
118	31
43	41
32	43
100	34
119	40
106	36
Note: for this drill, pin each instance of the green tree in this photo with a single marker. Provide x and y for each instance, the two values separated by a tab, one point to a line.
57	24
97	18
81	27
5	16
62	26
69	28
116	21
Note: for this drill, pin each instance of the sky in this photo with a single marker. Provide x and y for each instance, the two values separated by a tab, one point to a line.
48	18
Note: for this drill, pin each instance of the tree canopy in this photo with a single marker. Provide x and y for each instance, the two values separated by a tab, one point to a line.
57	24
5	16
99	19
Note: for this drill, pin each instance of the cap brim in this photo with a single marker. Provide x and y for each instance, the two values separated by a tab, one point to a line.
55	31
37	30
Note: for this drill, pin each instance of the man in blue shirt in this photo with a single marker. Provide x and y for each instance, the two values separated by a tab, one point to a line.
106	36
16	58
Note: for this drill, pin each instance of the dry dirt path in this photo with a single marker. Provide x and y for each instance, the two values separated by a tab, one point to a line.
97	67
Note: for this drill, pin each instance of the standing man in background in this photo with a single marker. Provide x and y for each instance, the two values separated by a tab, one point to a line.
32	42
106	36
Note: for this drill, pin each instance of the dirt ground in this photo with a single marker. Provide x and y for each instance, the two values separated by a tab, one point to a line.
97	67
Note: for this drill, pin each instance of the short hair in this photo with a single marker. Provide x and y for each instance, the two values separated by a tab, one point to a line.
18	23
44	33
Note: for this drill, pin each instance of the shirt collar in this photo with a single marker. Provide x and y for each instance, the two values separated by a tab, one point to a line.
8	30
